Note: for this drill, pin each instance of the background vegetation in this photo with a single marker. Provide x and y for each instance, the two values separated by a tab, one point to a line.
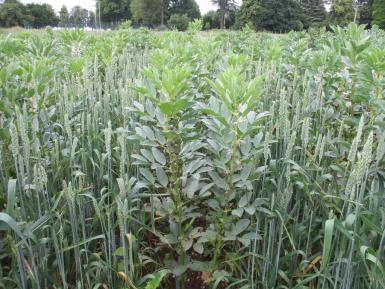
260	15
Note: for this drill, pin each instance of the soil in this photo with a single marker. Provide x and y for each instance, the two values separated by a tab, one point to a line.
197	280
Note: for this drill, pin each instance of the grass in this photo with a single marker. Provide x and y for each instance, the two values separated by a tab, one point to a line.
135	159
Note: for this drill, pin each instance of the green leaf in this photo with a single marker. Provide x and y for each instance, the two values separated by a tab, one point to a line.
218	180
11	223
179	270
238	212
215	115
187	244
11	201
119	252
245	199
149	133
155	282
329	228
192	187
4	134
147	174
148	155
198	247
173	107
4	108
159	156
240	226
162	177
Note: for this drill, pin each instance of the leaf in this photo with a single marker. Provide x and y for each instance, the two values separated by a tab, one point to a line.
4	108
199	266
240	226
155	282
4	134
213	204
329	228
217	116
11	223
149	133
207	236
198	247
179	270
218	180
250	210
245	199
159	156
192	187
162	177
187	244
148	155
11	201
147	174
119	252
173	107
245	173
238	212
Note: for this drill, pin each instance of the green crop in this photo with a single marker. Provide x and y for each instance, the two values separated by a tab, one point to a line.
138	159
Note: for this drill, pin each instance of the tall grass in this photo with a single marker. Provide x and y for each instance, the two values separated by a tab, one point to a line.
253	159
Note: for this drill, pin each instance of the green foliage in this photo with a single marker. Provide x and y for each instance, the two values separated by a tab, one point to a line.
41	15
379	13
315	12
179	22
12	13
211	20
187	7
249	14
196	25
125	25
342	12
281	16
146	11
155	282
226	7
113	11
64	17
80	17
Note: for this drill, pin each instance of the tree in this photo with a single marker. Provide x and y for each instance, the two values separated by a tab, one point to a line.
187	7
79	16
225	7
211	20
281	16
148	12
91	19
379	13
179	21
12	13
342	12
315	12
249	14
366	11
113	11
64	16
41	15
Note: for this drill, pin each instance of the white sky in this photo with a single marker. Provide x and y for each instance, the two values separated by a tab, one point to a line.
205	5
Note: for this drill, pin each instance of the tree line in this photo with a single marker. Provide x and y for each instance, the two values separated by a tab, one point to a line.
267	15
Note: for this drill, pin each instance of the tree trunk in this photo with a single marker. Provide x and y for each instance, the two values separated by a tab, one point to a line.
222	18
162	14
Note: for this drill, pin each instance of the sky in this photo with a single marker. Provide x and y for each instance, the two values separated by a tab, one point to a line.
205	5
